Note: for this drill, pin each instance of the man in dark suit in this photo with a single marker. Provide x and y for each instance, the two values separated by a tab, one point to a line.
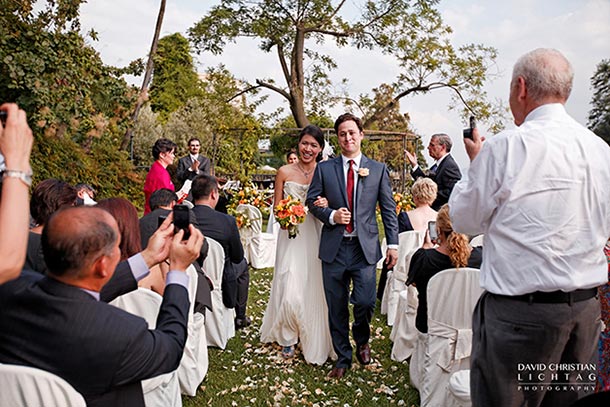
161	203
61	323
223	228
349	247
194	163
445	171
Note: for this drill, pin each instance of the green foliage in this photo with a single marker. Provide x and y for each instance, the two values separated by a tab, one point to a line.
283	140
175	78
412	32
77	107
599	116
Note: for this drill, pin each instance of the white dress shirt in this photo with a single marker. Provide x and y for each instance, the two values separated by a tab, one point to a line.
541	195
355	166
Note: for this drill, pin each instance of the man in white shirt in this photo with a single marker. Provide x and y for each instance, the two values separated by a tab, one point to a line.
540	195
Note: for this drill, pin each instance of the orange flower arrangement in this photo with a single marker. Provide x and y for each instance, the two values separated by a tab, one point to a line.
290	213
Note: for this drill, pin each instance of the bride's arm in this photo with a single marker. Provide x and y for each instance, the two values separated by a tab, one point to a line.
278	193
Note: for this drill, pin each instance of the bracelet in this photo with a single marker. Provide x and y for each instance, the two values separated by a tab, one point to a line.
25	177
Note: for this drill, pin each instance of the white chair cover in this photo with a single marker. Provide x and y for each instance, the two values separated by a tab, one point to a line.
459	386
219	324
194	363
408	243
477	241
259	247
404	333
273	227
445	349
23	386
162	390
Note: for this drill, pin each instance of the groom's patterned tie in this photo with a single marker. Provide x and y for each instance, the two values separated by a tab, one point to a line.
350	195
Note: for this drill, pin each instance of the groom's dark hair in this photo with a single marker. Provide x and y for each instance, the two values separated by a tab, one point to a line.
202	186
347	117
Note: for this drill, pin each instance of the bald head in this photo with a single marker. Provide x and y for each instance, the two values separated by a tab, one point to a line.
74	238
547	73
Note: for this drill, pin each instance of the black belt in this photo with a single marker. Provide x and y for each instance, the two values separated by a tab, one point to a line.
555	297
350	238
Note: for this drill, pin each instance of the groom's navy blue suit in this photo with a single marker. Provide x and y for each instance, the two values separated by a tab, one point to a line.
345	259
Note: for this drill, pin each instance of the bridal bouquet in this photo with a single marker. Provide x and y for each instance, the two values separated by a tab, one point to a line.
290	213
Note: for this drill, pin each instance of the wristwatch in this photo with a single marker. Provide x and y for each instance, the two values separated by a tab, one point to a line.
25	177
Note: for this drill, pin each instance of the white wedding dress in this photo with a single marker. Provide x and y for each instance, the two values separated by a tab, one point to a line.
297	311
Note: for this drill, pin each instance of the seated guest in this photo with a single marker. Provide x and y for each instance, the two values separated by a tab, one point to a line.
15	179
48	196
126	216
453	250
161	203
223	228
60	322
424	193
85	194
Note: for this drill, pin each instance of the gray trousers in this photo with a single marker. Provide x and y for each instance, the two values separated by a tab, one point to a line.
349	266
532	354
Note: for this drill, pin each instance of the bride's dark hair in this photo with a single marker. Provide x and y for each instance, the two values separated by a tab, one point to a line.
316	133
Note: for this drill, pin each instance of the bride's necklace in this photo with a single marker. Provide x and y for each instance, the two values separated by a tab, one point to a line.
305	173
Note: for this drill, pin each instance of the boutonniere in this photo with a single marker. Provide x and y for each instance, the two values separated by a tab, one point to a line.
363	172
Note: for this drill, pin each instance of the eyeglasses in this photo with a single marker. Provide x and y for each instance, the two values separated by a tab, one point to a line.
194	145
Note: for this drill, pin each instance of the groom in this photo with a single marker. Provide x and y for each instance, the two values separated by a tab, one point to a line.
349	246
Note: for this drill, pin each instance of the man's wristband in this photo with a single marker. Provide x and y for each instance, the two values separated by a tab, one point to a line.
25	177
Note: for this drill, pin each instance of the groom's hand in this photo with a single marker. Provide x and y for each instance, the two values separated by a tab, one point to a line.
391	258
342	216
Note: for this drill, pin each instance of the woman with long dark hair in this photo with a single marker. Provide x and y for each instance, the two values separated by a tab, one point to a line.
297	311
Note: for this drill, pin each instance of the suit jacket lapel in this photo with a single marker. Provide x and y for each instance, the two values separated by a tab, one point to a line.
341	177
364	161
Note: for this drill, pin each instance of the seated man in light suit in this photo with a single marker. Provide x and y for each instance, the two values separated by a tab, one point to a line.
60	323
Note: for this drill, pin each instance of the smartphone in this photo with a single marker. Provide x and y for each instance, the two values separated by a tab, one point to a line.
468	132
3	116
182	220
160	220
432	231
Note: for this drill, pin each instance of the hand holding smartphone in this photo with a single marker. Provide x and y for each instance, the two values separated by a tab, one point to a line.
432	231
468	132
182	220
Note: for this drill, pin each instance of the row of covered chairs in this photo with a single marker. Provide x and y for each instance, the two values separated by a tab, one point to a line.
440	359
27	386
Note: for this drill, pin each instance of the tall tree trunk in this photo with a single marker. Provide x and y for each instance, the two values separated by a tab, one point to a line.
296	84
145	83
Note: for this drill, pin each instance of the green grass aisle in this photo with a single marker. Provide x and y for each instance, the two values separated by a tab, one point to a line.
249	373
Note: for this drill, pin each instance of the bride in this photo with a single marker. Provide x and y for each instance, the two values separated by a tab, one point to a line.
297	310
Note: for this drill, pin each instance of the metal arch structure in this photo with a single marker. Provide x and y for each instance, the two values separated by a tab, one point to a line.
372	135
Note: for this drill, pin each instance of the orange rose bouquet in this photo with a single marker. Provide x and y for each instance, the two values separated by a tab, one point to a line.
290	213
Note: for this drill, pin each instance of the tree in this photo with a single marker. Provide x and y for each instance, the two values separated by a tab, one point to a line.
412	32
175	78
147	75
599	116
77	107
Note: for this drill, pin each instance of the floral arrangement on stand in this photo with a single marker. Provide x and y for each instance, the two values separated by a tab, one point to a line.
290	213
404	203
260	198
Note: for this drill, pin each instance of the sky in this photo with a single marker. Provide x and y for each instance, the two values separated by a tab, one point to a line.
578	28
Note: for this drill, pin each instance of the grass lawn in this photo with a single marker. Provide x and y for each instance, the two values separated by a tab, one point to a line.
249	373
